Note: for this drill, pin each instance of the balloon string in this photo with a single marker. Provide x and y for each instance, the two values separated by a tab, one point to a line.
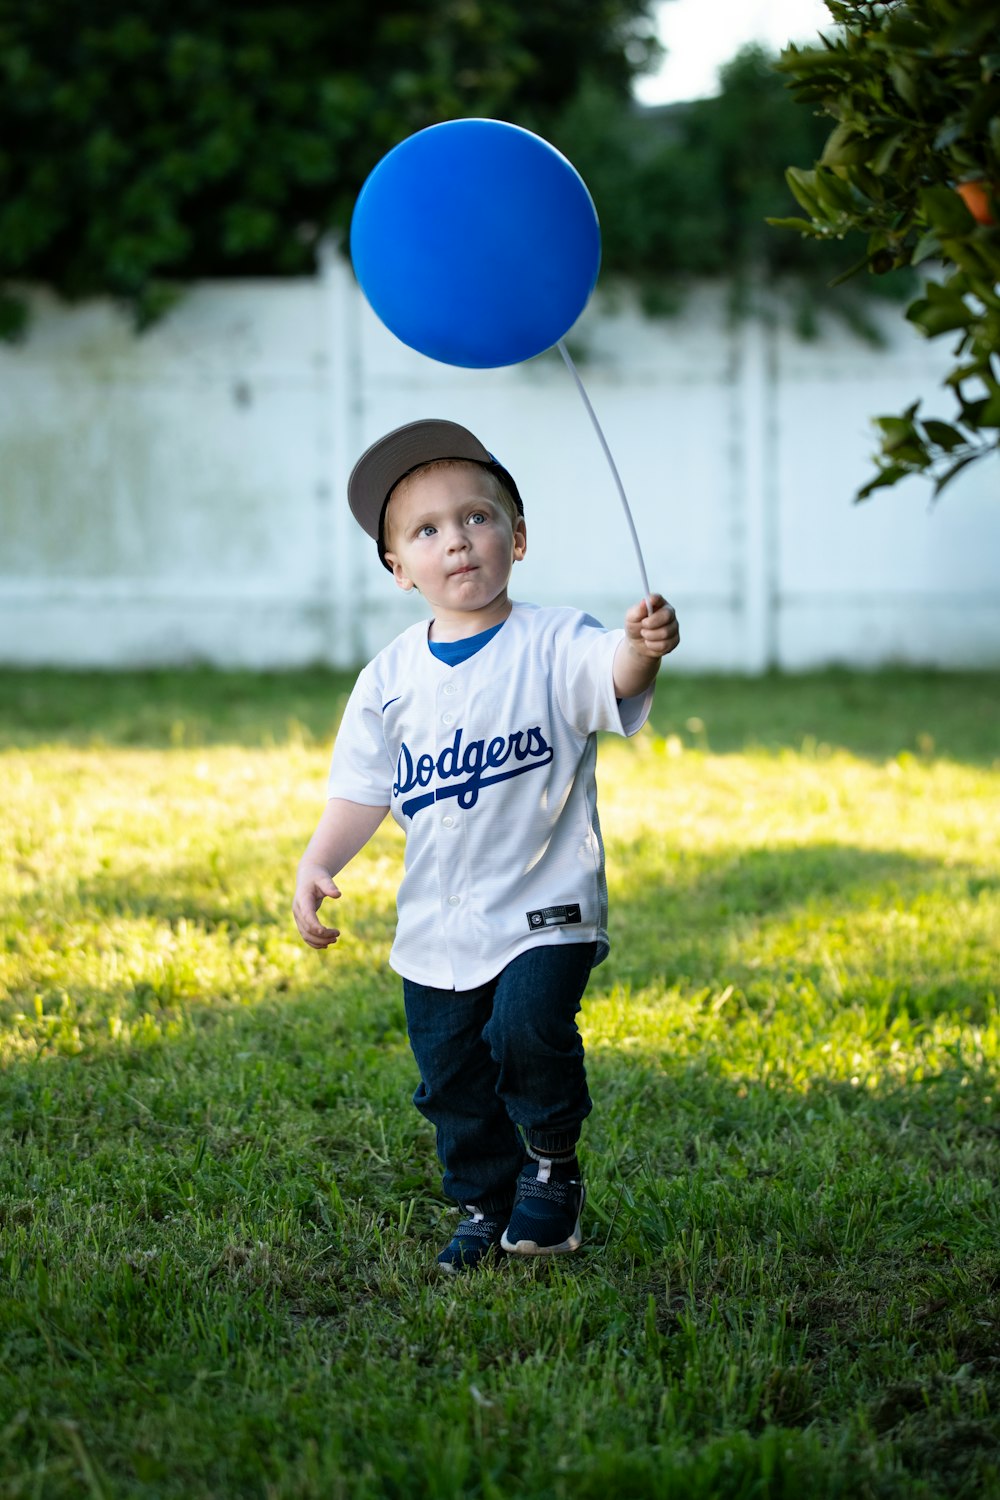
611	463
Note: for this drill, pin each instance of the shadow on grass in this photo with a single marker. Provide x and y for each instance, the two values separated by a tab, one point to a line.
738	883
766	919
872	715
170	709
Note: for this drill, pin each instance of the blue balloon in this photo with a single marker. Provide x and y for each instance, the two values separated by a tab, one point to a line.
476	243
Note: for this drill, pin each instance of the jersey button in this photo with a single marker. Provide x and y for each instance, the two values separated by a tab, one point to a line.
448	718
449	822
450	689
454	900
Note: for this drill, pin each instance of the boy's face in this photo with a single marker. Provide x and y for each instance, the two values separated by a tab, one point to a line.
448	537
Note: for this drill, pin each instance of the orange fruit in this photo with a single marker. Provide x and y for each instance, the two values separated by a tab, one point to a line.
975	197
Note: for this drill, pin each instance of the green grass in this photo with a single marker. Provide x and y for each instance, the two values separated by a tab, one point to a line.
219	1209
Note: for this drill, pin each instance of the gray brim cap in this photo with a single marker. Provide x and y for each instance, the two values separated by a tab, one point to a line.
381	467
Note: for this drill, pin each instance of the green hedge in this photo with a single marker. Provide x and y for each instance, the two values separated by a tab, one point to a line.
157	143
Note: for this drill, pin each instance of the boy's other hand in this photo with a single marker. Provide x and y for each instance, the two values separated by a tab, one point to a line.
314	887
652	634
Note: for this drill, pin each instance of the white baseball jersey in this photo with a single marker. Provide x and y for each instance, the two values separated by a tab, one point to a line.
488	767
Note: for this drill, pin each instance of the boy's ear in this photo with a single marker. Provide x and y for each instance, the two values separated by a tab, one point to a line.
520	539
402	581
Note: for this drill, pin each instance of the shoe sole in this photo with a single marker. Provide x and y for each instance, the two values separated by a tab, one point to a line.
530	1247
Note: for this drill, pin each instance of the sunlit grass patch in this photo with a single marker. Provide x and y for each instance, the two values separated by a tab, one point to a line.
219	1210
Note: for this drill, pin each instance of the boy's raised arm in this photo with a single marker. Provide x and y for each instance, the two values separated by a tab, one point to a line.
343	829
648	638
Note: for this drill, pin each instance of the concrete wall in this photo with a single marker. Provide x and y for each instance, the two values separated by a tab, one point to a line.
180	497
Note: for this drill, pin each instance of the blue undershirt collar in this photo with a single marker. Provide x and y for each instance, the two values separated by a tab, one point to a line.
454	652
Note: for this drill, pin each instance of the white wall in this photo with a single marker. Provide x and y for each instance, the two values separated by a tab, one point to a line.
180	496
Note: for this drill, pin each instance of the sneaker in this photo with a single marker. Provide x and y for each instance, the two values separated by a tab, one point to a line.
547	1209
473	1242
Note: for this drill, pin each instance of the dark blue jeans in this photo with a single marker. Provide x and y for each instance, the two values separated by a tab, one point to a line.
502	1065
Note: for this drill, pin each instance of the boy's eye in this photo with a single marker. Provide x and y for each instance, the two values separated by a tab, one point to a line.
427	530
478	517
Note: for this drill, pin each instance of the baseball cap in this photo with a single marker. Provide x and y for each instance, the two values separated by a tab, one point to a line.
381	467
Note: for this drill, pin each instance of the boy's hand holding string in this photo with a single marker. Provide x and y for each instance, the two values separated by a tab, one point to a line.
651	631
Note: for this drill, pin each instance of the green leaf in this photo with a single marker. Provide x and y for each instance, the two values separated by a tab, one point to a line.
990	414
896	432
904	82
845	148
904	30
927	246
976	367
985	247
883	157
833	191
935	318
973	411
891	474
804	226
944	209
914	455
804	61
803	187
943	435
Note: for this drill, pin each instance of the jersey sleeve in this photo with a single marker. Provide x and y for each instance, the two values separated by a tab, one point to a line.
360	768
585	686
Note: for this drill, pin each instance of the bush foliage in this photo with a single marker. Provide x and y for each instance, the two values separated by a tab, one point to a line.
154	146
154	143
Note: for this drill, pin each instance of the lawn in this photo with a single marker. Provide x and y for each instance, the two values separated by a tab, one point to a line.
219	1210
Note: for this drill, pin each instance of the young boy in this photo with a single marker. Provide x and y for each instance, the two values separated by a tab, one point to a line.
478	732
